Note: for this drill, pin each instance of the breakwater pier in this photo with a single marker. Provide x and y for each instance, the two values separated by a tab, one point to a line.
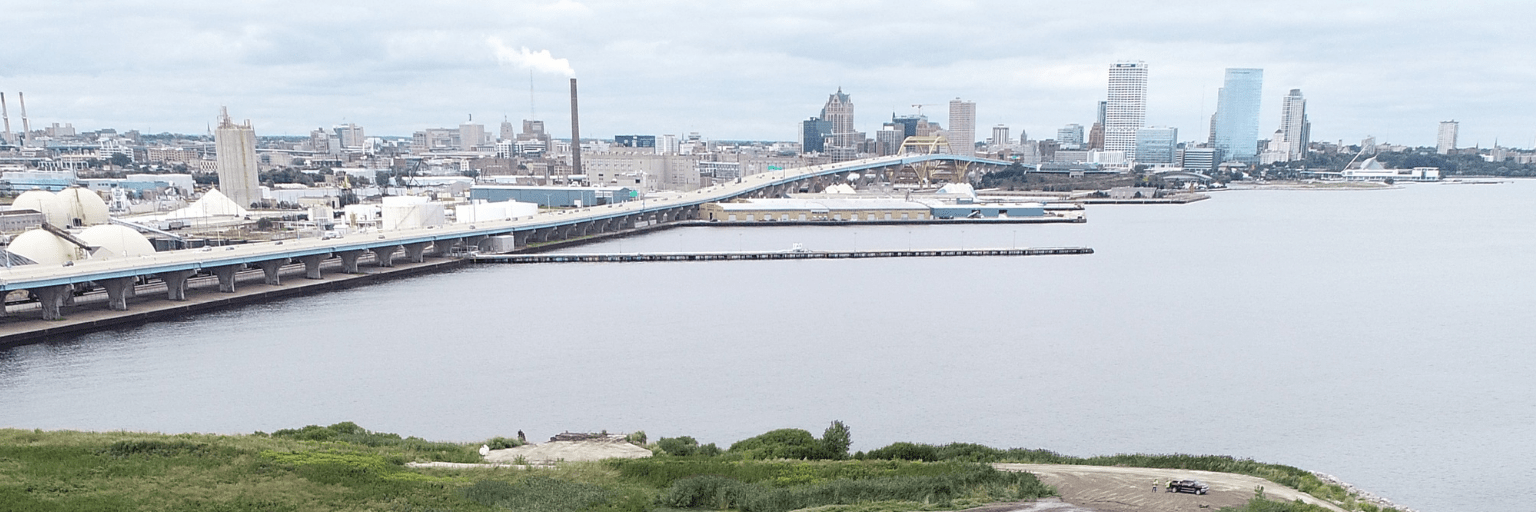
769	255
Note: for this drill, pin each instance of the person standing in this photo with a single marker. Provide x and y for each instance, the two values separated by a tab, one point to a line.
1155	483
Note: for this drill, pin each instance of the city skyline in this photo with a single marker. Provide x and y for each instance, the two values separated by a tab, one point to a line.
290	69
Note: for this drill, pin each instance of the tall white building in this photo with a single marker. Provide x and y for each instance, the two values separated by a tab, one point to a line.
471	135
350	135
1295	129
962	127
235	150
1125	109
1000	136
1446	142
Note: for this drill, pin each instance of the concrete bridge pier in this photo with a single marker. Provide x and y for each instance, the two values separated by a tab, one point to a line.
416	251
443	247
312	265
349	261
52	299
69	297
271	268
176	283
226	275
118	290
385	256
473	242
520	238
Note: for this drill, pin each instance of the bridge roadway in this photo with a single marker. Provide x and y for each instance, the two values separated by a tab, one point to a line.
54	285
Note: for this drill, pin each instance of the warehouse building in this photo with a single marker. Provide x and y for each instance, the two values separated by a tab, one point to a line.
553	197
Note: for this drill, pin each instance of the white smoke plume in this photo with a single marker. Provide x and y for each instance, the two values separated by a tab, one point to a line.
540	60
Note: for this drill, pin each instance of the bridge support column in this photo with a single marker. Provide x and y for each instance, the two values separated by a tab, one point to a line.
472	243
415	252
349	261
226	275
118	290
69	298
520	239
176	283
271	268
441	248
385	256
312	265
52	299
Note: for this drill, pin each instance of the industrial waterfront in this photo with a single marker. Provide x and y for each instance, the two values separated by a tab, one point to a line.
1343	332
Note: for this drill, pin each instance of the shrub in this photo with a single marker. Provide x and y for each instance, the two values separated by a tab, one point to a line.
905	451
973	480
835	441
537	494
784	443
636	438
678	446
348	432
502	443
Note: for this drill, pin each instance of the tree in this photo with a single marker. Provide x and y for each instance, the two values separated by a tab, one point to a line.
120	160
835	441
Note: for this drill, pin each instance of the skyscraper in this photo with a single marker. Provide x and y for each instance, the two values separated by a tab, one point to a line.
813	135
235	149
471	135
839	112
1125	110
962	127
1000	136
1235	128
1295	129
1446	142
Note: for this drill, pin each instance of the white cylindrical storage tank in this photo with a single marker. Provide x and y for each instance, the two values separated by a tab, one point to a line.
53	210
117	241
83	207
43	247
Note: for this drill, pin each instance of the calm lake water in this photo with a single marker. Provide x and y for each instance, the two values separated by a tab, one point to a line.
1381	336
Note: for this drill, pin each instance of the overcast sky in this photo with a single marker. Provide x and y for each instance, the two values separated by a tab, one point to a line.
753	70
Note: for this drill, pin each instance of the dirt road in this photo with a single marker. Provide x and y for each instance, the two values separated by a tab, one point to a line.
1122	489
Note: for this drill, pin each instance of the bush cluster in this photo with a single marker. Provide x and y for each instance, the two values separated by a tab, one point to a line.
502	443
718	492
685	446
794	443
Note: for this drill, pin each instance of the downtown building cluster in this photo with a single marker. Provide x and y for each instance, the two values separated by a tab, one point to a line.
330	163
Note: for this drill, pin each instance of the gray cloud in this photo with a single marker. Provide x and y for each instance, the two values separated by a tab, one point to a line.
751	71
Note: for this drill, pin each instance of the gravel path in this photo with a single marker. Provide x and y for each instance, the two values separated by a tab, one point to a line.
1122	489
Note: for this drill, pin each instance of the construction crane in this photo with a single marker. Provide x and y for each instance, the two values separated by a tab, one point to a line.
919	107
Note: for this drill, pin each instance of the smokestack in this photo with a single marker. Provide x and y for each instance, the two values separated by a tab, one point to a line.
575	133
26	127
6	114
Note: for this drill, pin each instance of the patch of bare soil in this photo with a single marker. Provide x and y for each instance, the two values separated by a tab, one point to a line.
1122	489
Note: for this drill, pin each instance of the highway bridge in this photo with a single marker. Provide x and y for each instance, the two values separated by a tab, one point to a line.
54	285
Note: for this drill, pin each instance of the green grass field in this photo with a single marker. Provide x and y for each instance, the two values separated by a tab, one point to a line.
344	467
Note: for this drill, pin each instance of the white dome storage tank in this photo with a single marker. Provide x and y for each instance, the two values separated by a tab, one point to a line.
53	210
43	247
83	207
117	241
